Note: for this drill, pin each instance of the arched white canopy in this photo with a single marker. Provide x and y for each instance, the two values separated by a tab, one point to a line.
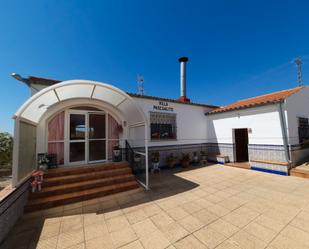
37	105
30	114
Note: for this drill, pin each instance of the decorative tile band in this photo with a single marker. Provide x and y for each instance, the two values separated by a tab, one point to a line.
268	167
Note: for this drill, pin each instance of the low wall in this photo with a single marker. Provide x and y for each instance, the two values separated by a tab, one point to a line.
12	202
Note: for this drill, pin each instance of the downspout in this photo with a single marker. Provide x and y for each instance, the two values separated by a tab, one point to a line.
284	134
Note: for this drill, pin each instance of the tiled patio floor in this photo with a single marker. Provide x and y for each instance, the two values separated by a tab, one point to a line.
210	207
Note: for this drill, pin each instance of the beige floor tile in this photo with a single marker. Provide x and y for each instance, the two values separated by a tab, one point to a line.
191	207
144	227
92	218
79	246
209	237
152	210
296	234
229	204
218	210
189	242
261	232
136	216
247	241
236	219
71	223
49	243
191	223
123	237
70	238
50	230
174	232
112	213
133	245
95	230
104	241
229	244
177	213
269	223
117	223
161	219
214	198
282	242
155	240
205	216
223	227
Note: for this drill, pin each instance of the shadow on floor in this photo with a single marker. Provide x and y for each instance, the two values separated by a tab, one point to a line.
168	183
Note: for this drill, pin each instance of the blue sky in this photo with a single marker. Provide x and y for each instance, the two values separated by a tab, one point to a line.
237	49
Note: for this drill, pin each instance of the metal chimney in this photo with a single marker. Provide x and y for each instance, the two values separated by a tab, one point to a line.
183	90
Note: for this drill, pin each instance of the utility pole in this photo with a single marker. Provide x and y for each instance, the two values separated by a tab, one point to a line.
140	84
299	63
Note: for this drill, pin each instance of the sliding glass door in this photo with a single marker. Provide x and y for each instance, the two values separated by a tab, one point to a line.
97	137
87	137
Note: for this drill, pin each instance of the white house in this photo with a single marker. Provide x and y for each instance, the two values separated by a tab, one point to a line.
81	121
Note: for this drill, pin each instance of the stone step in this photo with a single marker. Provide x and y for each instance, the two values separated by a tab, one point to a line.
84	169
63	199
81	185
72	178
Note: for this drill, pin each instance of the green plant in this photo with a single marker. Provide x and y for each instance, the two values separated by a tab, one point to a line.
6	148
155	157
185	160
171	160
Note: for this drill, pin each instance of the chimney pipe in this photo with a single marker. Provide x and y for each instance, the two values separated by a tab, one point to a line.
183	90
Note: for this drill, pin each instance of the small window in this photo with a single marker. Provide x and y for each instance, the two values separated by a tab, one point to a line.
303	130
163	125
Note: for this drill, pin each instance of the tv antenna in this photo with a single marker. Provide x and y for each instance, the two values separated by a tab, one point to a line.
299	63
140	84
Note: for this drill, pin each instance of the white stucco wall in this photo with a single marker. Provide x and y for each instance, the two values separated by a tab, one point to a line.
297	105
191	122
264	121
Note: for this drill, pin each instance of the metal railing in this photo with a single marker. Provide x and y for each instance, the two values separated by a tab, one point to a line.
137	161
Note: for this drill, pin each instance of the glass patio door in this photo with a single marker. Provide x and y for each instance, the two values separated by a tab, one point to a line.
77	138
97	137
87	137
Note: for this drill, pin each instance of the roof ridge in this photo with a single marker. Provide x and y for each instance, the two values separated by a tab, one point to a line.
267	94
264	99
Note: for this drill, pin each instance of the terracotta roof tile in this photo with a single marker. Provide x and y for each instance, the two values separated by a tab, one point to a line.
259	100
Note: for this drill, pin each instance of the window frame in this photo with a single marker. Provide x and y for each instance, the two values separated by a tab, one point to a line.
173	126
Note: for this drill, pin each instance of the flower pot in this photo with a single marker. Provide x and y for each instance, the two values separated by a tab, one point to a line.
171	164
185	164
116	153
155	167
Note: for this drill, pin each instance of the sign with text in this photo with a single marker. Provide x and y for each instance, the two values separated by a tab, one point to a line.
163	106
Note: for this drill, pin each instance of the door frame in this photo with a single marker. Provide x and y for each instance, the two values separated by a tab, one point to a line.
68	141
234	144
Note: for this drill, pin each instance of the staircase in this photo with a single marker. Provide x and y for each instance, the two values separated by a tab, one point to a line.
68	185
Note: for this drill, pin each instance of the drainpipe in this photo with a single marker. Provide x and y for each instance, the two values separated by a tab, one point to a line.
284	133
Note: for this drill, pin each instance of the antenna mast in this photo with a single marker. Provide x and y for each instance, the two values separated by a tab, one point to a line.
140	84
299	63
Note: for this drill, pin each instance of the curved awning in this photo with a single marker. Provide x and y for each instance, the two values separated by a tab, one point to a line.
35	107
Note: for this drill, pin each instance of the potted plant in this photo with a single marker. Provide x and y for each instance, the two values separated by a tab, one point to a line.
203	157
185	160
116	153
43	162
155	161
171	160
195	158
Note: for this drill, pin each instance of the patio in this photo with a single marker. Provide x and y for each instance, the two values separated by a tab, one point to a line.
201	207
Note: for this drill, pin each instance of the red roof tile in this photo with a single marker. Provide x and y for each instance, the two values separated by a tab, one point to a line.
259	100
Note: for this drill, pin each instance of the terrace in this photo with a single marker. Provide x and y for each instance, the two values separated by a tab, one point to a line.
200	207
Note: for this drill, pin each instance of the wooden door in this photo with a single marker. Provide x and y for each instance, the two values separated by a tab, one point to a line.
241	145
